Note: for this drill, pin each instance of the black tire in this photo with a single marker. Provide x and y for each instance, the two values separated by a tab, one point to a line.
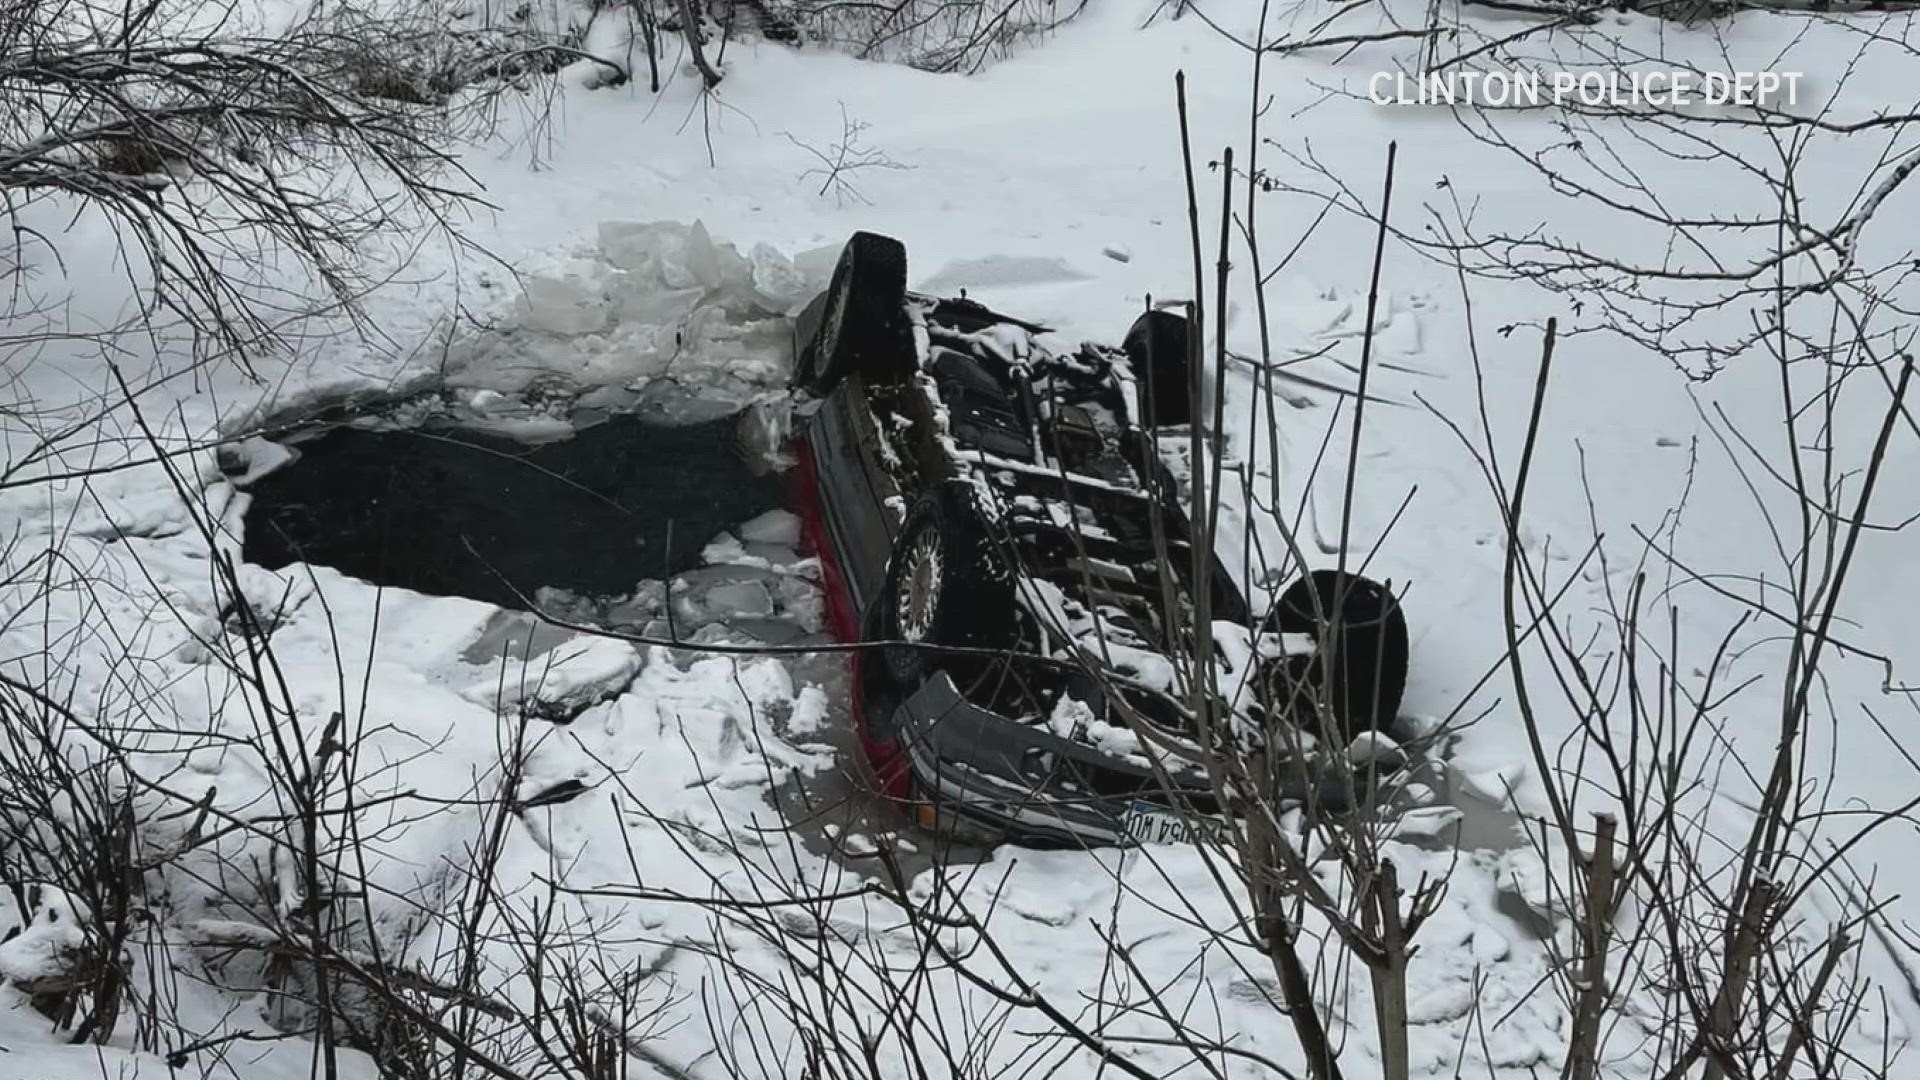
945	585
1156	346
1367	643
860	322
806	329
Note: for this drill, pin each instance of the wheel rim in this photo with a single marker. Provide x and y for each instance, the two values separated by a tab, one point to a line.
918	596
830	326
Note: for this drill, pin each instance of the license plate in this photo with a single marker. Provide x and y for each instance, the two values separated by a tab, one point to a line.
1147	823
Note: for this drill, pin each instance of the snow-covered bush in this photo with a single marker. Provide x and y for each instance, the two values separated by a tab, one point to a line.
933	35
69	864
200	140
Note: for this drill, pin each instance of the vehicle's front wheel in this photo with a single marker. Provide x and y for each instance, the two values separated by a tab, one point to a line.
860	322
1359	670
945	585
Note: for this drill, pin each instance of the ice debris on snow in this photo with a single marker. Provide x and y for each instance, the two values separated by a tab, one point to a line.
757	590
1522	874
809	715
251	458
1426	822
575	674
661	309
1412	726
1373	748
265	600
1494	785
727	549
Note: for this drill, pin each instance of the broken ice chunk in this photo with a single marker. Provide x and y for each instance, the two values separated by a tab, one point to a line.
725	550
579	673
1425	823
762	434
636	247
817	263
676	269
561	306
748	599
485	400
778	285
1495	785
1373	748
702	258
773	527
802	603
252	458
712	592
640	298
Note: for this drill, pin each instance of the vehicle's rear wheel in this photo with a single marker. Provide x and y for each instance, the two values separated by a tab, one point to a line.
860	322
1156	346
945	585
1363	632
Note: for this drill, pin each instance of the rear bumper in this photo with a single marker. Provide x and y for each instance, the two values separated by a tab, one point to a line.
996	775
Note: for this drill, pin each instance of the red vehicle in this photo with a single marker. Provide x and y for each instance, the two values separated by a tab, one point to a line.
997	517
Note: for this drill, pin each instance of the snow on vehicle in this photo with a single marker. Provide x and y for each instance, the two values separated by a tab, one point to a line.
998	516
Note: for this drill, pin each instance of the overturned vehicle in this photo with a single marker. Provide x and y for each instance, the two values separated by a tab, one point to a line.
1002	523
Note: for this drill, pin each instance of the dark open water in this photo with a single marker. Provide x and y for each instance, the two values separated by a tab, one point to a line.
462	513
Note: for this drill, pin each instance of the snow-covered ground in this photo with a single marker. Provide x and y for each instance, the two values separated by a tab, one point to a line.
1050	186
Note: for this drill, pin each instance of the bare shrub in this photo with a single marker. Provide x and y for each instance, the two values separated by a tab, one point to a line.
933	35
202	147
842	162
1685	945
